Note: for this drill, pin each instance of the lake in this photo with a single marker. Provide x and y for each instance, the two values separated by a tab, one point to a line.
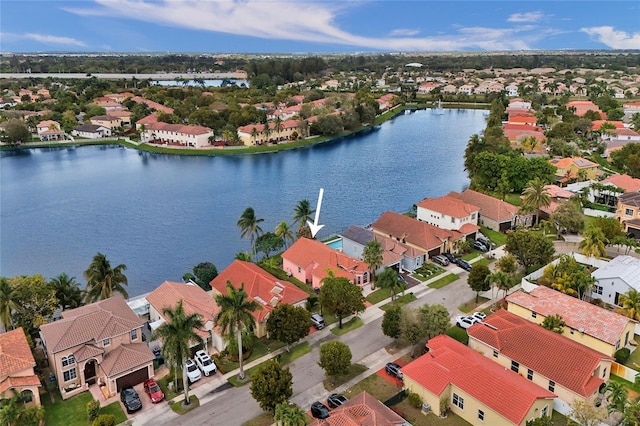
162	214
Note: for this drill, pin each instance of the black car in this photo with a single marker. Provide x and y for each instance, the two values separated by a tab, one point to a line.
130	399
319	410
451	258
463	264
393	369
336	400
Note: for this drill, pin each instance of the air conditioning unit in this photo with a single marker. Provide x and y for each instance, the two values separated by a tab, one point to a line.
426	408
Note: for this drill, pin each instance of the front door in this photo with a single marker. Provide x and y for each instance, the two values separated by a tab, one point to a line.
90	372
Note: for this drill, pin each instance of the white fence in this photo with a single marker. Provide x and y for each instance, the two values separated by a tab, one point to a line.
597	213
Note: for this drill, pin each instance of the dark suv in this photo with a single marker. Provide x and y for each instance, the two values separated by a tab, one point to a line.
393	369
463	264
450	257
130	399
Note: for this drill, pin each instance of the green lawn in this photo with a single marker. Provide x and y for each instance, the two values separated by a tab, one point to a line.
400	301
470	256
375	385
460	334
484	261
193	403
472	305
513	199
352	324
73	411
260	348
378	295
284	358
446	280
331	383
634	358
498	238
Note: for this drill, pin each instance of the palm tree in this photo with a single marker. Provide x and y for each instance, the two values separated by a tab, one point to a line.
501	280
103	281
278	127
68	293
8	303
178	334
254	134
630	303
618	396
535	195
593	243
372	256
302	212
16	412
389	279
289	415
283	231
249	226
236	314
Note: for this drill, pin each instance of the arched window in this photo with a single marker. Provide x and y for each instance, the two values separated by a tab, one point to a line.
27	396
68	360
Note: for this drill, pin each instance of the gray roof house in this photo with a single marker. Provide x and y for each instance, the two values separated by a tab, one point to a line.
615	278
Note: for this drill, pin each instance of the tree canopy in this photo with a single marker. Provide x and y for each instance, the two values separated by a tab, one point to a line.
530	248
288	323
271	385
341	297
335	358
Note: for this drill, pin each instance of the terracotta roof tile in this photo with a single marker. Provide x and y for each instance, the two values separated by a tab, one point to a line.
15	354
13	382
86	352
361	410
600	323
413	231
126	357
490	207
449	206
450	362
549	354
625	182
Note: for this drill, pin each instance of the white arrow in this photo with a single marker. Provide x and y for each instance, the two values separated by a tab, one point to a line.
314	226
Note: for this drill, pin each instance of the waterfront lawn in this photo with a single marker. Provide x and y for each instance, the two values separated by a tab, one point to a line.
446	280
352	324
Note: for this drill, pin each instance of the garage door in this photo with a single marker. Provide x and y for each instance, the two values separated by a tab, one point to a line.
133	378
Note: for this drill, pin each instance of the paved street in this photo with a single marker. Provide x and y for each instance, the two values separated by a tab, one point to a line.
234	406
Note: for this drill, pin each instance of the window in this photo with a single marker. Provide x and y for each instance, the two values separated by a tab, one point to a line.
552	385
597	289
458	401
106	342
134	334
545	411
604	373
495	353
68	360
27	396
628	212
299	269
69	375
515	366
473	216
534	315
529	374
453	220
481	415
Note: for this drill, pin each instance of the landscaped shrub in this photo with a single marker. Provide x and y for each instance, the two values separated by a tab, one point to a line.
104	420
622	355
414	400
459	334
93	409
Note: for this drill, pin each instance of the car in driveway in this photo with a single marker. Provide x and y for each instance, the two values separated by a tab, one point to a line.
130	399
478	245
393	369
466	321
317	321
205	363
319	410
463	264
440	260
335	400
480	316
450	257
152	389
193	372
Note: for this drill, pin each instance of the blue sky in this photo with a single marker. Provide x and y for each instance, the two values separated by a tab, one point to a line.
294	26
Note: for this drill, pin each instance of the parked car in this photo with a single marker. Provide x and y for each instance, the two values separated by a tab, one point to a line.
484	241
319	410
466	321
480	316
152	389
393	369
193	373
450	257
440	260
130	399
463	264
478	245
317	321
336	400
205	363
401	279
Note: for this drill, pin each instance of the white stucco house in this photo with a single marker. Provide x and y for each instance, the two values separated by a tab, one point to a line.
615	278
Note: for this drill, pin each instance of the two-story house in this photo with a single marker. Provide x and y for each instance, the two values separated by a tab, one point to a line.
494	213
309	260
49	130
451	376
570	370
177	134
108	121
261	287
599	329
448	212
572	168
100	343
16	368
616	278
628	213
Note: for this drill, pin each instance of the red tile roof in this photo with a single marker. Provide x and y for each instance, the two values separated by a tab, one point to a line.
555	357
625	182
413	231
178	128
306	251
151	118
12	382
449	206
555	191
598	123
490	207
152	104
126	357
361	410
15	354
600	323
259	285
579	162
450	362
194	301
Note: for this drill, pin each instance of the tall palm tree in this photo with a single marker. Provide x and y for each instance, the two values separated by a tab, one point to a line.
236	314
178	334
302	212
68	293
283	231
278	127
501	280
389	279
103	281
630	303
8	303
618	396
593	243
372	256
249	226
535	195
254	134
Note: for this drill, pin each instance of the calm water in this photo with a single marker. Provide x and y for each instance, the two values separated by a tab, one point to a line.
161	215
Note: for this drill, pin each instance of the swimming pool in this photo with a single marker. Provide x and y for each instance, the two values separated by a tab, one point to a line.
335	244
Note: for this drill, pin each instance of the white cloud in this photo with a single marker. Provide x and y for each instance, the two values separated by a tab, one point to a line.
304	21
614	39
526	17
43	38
406	32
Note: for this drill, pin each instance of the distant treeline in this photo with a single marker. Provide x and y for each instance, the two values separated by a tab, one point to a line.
294	68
